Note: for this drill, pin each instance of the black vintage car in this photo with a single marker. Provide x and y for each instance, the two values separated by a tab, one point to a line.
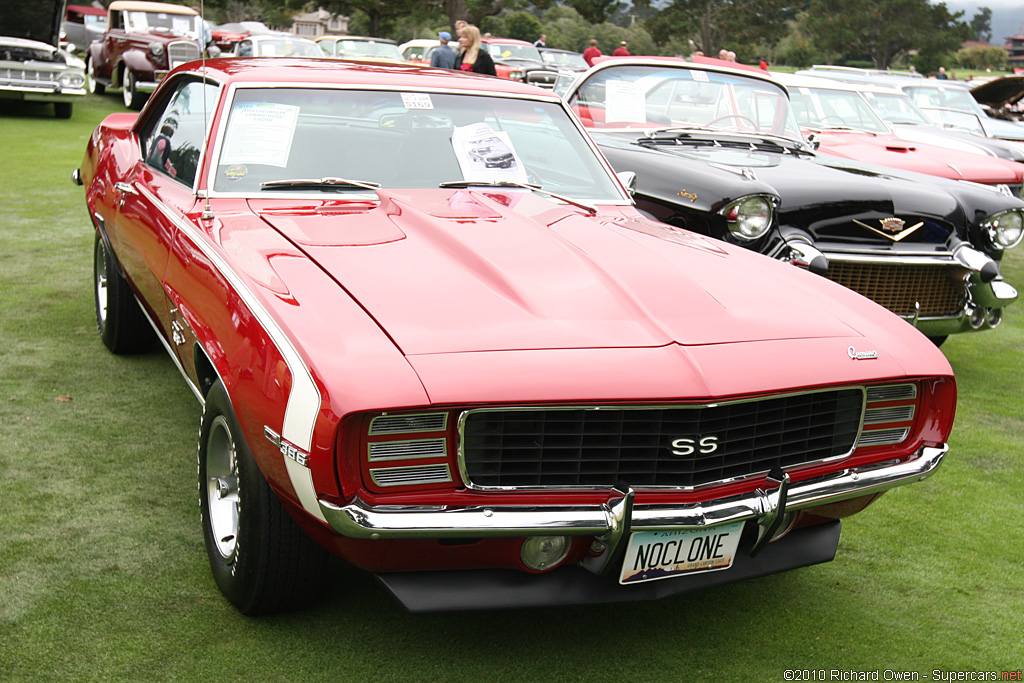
716	150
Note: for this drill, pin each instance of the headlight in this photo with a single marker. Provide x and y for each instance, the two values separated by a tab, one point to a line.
750	217
156	49
516	75
72	80
1005	229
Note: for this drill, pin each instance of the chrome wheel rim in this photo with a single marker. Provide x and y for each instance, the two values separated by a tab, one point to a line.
101	284
222	487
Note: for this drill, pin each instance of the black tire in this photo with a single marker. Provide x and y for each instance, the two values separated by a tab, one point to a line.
122	325
91	84
62	110
133	99
938	340
261	560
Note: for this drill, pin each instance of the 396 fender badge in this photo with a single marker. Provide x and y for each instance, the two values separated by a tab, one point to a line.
288	450
861	355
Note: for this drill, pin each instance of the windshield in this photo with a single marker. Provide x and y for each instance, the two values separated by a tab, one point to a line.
180	24
360	48
282	47
823	108
949	98
658	96
568	59
505	51
402	140
896	108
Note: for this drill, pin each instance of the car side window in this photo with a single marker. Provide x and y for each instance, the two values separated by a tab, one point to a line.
172	145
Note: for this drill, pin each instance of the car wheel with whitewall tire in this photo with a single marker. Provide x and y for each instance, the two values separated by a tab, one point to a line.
261	560
122	325
90	79
133	99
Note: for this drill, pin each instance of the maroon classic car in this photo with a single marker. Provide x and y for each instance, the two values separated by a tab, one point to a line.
488	386
142	43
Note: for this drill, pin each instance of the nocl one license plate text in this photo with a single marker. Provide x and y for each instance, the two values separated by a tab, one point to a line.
653	555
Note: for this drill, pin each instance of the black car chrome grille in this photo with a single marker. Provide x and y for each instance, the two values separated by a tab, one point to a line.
179	52
940	291
677	446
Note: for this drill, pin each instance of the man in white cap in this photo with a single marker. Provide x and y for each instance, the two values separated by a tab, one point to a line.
443	56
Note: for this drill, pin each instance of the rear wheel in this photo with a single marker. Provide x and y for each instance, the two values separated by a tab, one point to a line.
133	99
261	560
123	327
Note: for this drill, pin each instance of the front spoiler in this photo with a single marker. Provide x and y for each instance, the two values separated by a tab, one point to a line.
438	591
359	520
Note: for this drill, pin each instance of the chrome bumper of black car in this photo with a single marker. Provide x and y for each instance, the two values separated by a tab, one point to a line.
611	520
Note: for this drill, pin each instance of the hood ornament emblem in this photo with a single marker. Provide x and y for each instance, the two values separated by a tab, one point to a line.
890	227
854	354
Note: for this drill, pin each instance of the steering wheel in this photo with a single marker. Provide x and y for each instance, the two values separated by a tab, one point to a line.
741	117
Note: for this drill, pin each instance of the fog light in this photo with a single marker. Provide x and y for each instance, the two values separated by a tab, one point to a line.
995	316
541	553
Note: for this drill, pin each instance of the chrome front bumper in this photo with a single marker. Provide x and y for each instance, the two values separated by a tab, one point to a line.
612	519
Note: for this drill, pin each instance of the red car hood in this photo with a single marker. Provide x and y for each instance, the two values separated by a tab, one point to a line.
895	152
463	271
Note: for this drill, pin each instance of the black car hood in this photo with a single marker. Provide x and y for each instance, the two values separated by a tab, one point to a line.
1000	92
817	193
34	22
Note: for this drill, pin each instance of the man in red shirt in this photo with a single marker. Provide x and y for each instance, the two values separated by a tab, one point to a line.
591	52
621	50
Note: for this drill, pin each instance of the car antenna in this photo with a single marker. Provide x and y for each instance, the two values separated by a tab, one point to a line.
207	213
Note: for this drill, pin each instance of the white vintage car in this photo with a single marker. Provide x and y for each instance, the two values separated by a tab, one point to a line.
32	67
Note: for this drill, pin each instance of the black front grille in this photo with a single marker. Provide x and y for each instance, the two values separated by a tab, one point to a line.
599	447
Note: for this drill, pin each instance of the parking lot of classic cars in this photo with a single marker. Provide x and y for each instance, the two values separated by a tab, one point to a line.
222	224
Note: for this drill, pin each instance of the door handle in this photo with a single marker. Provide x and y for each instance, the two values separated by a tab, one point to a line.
125	188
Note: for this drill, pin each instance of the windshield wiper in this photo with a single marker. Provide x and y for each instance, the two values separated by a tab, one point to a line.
329	183
524	186
653	137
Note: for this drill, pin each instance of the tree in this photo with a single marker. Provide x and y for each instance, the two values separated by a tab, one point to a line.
885	29
594	11
378	13
981	25
712	25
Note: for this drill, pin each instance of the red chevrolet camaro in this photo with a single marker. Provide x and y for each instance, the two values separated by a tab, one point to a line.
489	385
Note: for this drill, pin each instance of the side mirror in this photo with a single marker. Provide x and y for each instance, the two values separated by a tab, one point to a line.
813	141
628	180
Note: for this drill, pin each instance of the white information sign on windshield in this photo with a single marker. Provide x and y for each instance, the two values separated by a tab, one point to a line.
624	102
260	133
487	155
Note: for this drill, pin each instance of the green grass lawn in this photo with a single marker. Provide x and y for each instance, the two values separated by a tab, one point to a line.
103	575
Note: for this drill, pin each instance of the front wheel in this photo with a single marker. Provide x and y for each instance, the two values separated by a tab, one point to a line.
122	325
90	78
262	562
133	99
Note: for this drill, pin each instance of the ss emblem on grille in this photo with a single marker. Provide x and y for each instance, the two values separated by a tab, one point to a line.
688	446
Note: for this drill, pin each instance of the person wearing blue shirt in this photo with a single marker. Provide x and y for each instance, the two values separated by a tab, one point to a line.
443	56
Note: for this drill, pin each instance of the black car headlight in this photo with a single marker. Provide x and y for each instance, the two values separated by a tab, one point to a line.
1005	229
750	217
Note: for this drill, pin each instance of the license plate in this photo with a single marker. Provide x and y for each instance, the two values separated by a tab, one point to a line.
653	555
